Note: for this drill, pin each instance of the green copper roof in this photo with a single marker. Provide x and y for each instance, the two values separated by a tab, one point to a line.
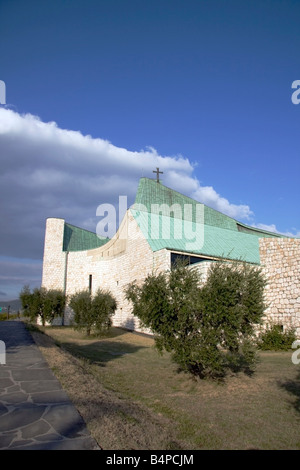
150	193
218	234
78	239
196	238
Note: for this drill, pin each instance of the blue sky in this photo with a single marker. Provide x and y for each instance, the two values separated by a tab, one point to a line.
200	88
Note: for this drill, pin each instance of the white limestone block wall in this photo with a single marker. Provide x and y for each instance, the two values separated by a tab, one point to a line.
54	259
202	269
280	261
126	258
129	258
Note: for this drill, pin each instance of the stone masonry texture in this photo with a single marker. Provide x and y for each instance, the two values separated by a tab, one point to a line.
128	258
280	262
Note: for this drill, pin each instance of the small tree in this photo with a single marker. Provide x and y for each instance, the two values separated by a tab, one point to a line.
103	306
81	304
43	303
26	298
207	329
93	312
54	304
231	306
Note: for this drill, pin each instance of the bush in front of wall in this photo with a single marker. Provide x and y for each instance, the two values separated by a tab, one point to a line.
275	338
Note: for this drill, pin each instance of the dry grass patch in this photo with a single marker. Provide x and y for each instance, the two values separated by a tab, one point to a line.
114	421
137	399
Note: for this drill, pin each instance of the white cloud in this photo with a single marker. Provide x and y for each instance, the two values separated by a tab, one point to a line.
51	172
273	228
208	195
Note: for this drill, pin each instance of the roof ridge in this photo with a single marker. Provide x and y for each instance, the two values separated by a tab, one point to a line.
231	223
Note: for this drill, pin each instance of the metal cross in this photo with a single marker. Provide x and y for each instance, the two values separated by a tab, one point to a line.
157	174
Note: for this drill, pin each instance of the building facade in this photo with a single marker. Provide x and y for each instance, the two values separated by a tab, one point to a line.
161	226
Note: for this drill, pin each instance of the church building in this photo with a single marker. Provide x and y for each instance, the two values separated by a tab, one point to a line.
159	227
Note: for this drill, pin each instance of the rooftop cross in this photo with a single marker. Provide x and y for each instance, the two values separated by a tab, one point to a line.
157	174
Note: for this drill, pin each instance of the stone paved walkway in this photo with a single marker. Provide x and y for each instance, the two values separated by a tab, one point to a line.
35	412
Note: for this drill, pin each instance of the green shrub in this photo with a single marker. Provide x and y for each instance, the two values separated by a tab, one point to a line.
43	303
207	329
274	338
93	312
3	316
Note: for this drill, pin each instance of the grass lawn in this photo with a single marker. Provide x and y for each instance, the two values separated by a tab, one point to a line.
133	398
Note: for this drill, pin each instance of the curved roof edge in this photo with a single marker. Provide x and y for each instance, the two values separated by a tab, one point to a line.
79	239
150	192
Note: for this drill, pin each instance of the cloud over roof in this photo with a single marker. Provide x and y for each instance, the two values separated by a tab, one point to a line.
51	172
47	171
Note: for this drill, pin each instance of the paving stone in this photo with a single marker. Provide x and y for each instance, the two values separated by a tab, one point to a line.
56	396
72	444
4	373
6	382
25	375
16	397
20	443
40	386
5	441
65	420
21	416
3	409
39	365
50	437
13	388
36	413
38	428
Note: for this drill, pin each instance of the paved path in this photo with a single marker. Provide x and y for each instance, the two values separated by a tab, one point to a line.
35	413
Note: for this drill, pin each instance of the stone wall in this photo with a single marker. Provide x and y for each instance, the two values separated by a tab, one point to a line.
126	258
202	270
280	261
129	258
54	260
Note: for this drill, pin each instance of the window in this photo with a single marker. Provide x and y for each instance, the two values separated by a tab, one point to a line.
189	258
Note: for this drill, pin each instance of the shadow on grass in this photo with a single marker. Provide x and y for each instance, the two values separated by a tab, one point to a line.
100	349
112	332
100	352
293	387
